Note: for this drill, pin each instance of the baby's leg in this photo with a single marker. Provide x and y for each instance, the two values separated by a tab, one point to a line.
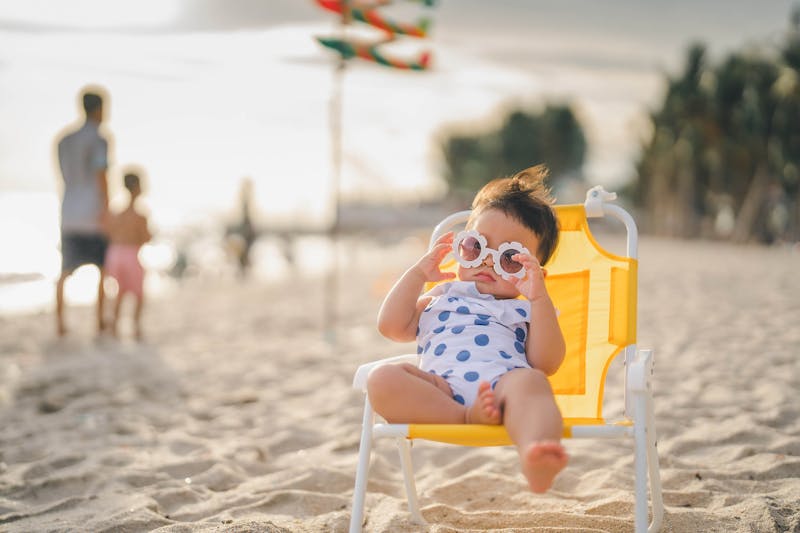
485	409
403	394
541	462
537	437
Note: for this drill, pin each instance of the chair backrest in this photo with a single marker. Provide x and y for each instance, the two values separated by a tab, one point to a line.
595	293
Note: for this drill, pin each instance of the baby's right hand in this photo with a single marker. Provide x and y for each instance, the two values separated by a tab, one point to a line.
428	265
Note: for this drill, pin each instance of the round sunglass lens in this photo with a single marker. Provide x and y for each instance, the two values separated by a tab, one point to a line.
469	248
508	264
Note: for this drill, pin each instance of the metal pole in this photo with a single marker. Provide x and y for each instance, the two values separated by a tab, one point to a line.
331	286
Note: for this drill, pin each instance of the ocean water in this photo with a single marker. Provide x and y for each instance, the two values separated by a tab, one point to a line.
30	258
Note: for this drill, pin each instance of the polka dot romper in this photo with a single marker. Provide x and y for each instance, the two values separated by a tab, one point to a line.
467	337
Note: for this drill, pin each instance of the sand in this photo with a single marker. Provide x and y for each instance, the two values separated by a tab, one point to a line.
237	413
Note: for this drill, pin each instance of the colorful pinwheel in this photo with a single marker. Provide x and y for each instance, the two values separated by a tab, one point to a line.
366	11
350	49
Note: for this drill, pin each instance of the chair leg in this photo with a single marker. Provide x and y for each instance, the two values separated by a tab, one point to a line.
404	447
645	452
640	469
362	471
656	498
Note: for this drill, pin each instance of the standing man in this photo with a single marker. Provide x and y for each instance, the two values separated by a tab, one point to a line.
83	161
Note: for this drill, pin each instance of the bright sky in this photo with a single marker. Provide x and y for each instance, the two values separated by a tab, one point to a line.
91	14
207	92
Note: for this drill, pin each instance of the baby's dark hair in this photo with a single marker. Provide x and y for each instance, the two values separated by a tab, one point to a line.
131	181
525	198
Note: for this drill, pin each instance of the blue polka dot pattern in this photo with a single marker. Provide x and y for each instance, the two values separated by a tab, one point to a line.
481	340
468	338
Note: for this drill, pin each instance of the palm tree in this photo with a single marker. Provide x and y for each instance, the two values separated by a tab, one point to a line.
726	133
553	136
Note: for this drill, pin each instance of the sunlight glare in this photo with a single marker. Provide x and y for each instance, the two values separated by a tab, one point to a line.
91	13
81	286
157	255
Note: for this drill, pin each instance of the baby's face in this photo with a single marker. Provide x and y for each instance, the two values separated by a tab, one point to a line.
498	228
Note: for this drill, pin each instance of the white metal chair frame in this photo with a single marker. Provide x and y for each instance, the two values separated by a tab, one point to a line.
638	404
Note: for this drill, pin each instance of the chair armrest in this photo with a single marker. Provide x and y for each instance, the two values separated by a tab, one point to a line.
360	378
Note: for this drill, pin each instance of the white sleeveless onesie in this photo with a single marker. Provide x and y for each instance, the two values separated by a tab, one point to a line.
467	337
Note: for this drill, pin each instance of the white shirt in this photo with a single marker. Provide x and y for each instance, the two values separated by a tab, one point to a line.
81	155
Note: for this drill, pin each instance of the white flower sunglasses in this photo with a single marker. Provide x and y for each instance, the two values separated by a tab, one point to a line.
470	250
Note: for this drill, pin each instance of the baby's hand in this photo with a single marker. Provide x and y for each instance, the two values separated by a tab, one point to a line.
428	265
532	285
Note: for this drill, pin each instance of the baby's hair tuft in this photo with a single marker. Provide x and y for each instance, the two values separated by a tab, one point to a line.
524	197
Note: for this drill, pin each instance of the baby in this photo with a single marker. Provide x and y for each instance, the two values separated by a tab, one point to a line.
485	352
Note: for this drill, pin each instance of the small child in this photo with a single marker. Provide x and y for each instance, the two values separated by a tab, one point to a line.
128	232
481	363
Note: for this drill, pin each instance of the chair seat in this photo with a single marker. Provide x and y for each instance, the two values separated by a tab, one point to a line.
496	435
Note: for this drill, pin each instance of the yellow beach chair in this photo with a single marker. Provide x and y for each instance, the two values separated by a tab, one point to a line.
596	295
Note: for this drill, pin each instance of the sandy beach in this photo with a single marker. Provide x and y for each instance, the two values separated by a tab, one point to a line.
237	413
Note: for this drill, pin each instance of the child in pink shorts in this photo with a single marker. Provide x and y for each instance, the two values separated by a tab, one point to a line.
128	232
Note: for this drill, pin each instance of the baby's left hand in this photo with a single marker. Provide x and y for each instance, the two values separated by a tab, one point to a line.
532	285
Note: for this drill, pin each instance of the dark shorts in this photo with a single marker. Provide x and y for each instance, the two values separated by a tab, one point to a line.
83	249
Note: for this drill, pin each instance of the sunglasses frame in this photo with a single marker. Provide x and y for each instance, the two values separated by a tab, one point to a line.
485	250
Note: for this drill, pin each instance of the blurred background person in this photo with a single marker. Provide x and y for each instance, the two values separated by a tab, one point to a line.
240	237
128	231
83	162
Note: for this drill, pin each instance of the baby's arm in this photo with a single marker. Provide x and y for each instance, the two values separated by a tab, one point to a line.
399	314
545	346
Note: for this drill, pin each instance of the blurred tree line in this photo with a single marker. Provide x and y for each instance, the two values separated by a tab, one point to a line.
724	157
524	138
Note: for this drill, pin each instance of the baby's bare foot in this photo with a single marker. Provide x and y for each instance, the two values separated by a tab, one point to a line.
541	462
484	410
